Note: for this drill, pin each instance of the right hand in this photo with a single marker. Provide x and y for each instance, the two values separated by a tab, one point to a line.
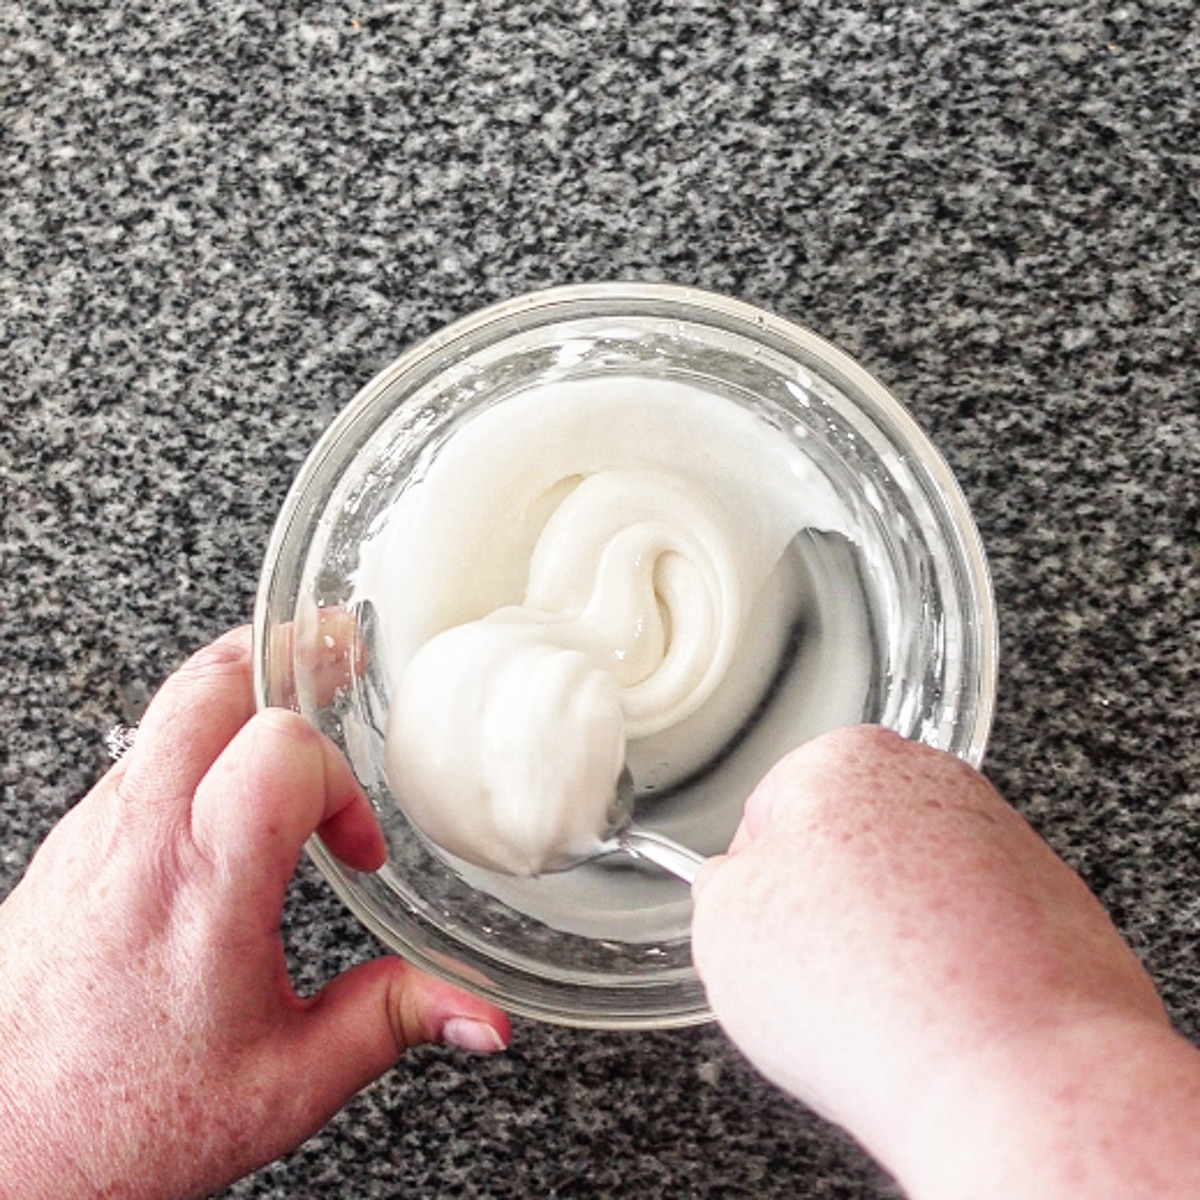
887	940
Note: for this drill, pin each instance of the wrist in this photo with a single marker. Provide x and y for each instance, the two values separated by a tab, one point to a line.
1103	1106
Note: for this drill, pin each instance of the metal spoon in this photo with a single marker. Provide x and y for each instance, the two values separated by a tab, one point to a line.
641	844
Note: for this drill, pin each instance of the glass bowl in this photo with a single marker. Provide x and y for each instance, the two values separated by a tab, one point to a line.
621	957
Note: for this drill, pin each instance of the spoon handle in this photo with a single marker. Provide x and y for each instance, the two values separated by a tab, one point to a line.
681	862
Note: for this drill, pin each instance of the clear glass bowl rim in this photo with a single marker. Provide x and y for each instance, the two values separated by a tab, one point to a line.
882	408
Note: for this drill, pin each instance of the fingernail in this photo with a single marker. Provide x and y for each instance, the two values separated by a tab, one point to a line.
466	1033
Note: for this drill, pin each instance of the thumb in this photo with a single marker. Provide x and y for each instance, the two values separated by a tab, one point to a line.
359	1024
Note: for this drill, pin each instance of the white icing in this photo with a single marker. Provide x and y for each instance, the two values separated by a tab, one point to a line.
589	573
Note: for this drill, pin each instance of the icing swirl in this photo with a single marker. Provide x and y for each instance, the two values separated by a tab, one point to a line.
568	587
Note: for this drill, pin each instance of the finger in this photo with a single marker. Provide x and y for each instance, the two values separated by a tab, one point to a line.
775	789
316	655
359	1024
781	788
348	825
844	763
742	836
189	722
332	656
708	872
277	782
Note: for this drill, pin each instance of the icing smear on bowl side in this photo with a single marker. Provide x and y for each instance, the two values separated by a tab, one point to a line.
594	573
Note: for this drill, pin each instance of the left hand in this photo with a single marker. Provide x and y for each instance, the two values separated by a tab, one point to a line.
153	1045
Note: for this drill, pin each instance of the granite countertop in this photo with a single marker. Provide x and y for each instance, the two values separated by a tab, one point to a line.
220	219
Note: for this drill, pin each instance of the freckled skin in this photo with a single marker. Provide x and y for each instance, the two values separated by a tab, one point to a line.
153	1046
891	942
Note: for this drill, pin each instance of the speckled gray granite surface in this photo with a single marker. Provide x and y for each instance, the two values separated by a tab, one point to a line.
219	219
